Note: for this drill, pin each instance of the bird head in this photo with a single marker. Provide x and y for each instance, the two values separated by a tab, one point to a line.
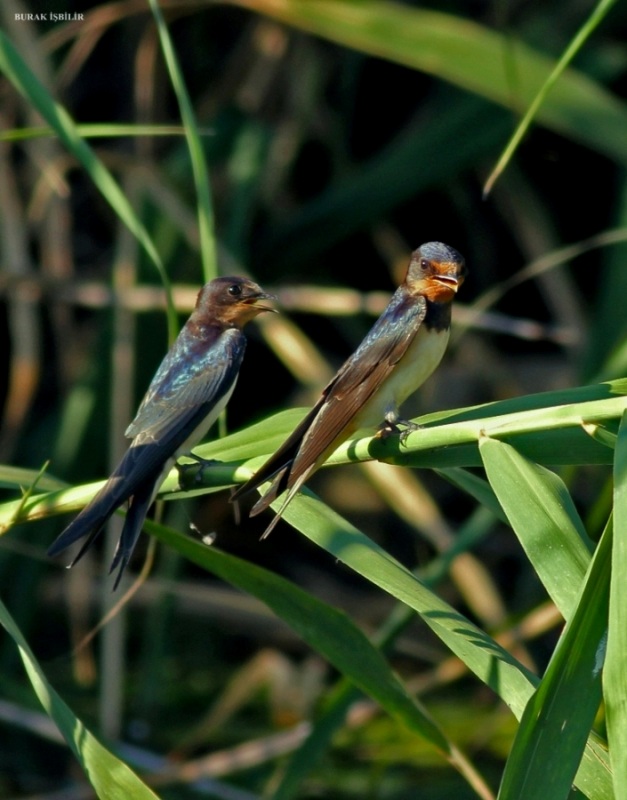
232	301
436	271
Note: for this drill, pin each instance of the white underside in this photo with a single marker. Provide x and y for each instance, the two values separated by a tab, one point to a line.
422	357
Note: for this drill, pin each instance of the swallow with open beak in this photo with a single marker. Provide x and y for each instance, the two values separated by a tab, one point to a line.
401	351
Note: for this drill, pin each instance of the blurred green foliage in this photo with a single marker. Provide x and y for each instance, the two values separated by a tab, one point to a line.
335	136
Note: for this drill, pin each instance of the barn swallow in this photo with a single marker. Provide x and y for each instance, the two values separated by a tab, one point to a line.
189	390
401	350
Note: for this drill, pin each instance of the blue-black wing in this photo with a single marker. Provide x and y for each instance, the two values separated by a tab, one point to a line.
187	389
193	377
183	396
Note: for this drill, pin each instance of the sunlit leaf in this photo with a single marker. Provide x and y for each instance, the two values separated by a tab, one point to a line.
552	722
544	517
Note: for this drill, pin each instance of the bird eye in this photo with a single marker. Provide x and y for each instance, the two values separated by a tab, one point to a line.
234	290
424	263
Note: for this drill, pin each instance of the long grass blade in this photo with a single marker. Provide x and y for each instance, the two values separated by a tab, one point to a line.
480	653
544	518
586	30
111	778
107	130
194	144
330	632
553	729
615	673
548	427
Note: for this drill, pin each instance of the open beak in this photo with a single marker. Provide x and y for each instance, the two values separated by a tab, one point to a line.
450	281
253	300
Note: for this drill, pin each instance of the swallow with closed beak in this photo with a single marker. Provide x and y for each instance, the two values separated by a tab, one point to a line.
189	390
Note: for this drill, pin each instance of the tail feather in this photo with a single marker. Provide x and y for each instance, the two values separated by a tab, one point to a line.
285	470
84	547
290	466
279	485
91	519
290	496
135	517
278	466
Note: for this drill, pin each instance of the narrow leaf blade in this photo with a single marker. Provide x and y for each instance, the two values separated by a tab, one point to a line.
553	729
615	673
110	777
543	516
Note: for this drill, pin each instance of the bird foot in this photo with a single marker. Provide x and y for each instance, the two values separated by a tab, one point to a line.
194	470
392	427
410	427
